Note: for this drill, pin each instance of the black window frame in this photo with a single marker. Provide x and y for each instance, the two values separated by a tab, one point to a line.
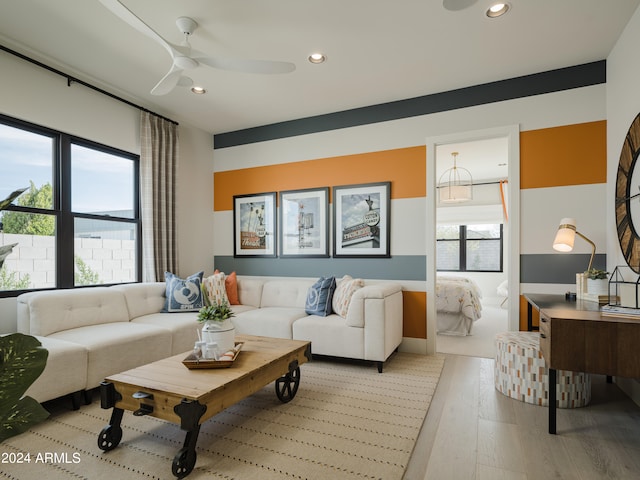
61	208
462	247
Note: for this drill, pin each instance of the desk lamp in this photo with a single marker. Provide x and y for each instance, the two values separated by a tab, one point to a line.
566	235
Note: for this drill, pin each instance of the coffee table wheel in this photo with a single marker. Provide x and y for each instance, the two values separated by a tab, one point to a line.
183	462
287	385
109	437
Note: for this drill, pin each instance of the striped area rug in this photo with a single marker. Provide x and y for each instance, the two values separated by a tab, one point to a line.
347	421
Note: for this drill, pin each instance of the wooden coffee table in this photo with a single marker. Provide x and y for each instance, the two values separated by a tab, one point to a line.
167	389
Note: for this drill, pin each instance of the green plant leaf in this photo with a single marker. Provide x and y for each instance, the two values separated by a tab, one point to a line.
26	413
7	201
22	360
5	251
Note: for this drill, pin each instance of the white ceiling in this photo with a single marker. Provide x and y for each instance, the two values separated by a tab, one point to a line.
486	160
378	51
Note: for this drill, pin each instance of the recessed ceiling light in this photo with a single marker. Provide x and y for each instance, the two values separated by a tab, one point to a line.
198	90
497	10
317	58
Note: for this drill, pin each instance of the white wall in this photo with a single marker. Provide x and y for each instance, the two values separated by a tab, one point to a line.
575	106
33	94
580	105
195	202
623	104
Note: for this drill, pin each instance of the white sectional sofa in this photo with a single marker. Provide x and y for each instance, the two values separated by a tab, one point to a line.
94	332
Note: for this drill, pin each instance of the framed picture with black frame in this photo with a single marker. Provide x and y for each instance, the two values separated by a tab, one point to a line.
254	225
361	220
304	223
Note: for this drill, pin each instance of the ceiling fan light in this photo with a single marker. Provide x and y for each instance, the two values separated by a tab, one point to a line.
317	58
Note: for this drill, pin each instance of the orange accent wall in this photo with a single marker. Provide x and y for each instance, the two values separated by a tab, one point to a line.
414	306
566	155
404	167
535	317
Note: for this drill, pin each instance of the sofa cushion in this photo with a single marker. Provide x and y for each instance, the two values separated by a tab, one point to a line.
231	286
237	309
184	327
331	336
115	347
285	293
215	289
183	295
345	289
65	371
268	322
56	310
143	298
319	297
250	292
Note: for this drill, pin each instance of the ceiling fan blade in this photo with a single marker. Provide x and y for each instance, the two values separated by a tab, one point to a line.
246	66
119	10
184	81
168	82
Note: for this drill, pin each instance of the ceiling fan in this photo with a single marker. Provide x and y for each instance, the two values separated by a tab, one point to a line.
184	58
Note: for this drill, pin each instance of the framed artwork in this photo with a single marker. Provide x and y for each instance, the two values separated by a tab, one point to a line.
361	215
254	225
304	223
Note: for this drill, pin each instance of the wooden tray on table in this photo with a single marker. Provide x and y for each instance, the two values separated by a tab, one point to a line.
192	362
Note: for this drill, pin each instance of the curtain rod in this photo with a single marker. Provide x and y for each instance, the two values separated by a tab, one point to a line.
71	79
490	183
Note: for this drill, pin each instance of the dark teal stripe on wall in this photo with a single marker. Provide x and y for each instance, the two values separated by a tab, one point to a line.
398	267
557	268
536	84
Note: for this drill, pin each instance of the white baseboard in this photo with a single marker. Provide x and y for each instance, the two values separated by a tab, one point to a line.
413	345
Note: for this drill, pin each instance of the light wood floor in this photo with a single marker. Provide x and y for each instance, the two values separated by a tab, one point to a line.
472	431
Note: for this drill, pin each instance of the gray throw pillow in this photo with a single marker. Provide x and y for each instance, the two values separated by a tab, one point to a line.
319	297
183	295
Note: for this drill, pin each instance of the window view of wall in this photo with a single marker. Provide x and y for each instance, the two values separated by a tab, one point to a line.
469	248
78	221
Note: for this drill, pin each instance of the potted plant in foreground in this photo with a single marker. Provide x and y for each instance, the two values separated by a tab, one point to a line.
597	283
217	324
22	360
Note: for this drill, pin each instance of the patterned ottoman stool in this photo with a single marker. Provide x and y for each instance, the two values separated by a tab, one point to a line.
521	373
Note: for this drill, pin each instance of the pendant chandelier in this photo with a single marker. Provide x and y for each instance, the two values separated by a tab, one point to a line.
455	185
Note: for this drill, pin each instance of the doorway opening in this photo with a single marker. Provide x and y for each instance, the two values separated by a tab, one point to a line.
473	245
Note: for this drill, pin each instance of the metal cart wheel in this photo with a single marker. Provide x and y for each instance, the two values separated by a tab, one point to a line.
183	462
287	385
109	437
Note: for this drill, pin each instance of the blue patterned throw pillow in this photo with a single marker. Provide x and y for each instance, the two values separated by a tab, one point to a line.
319	297
183	295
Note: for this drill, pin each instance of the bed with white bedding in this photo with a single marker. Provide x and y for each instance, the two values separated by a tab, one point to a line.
458	304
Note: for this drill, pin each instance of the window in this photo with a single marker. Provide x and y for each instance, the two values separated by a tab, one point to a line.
469	248
78	223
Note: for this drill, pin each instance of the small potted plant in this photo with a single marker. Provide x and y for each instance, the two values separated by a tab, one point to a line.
215	313
217	324
597	281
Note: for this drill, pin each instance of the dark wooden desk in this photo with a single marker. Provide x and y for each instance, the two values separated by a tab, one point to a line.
575	336
546	301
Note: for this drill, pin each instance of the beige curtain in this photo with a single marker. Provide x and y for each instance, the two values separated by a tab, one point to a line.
159	151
